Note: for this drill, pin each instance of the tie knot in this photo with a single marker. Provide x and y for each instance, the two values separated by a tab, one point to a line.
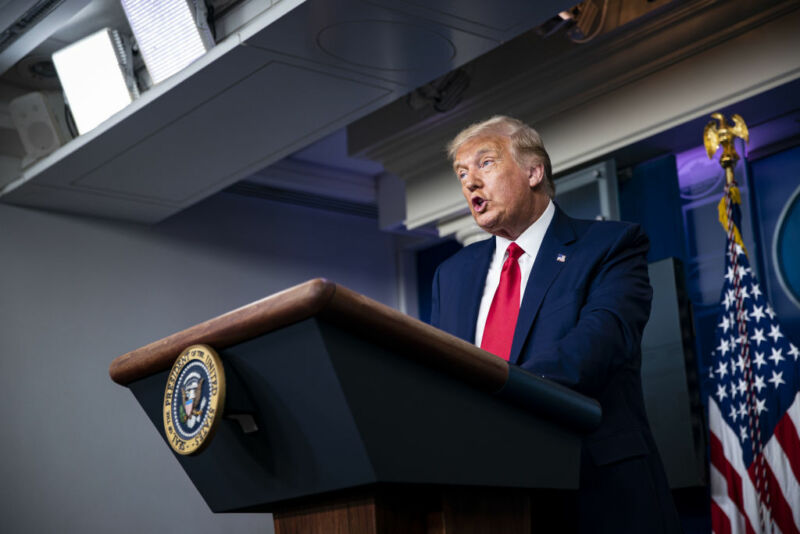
514	251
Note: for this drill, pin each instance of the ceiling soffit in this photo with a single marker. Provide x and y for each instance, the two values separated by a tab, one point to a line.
535	78
291	76
554	85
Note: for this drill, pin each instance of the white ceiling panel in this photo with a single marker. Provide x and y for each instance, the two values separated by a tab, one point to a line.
287	79
374	40
94	203
237	129
138	122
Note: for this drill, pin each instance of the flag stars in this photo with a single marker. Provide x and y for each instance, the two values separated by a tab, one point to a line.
793	352
743	294
776	356
759	360
741	272
775	333
755	290
777	379
721	393
722	370
757	314
759	383
729	274
743	316
734	414
740	363
758	337
770	311
743	432
742	387
761	406
728	300
724	346
725	324
738	248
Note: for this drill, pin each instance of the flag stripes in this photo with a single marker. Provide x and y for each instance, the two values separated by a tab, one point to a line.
788	437
734	507
783	487
720	519
732	479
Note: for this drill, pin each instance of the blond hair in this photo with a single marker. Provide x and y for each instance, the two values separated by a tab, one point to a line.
526	144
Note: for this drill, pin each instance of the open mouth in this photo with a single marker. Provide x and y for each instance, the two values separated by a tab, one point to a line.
478	204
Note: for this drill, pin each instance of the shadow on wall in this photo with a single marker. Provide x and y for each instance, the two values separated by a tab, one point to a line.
77	292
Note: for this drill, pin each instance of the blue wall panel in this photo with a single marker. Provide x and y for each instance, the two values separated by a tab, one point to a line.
775	182
651	198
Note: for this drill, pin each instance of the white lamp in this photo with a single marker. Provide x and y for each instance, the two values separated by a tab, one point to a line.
171	34
93	75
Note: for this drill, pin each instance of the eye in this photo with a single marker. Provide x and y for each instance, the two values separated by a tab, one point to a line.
486	162
461	174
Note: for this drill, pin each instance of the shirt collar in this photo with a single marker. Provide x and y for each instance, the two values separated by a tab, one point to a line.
531	239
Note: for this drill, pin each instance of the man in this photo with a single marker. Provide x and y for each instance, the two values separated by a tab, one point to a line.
565	299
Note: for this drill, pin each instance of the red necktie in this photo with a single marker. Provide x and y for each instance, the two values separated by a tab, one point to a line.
502	319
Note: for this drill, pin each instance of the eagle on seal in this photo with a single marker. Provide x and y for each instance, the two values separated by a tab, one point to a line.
191	406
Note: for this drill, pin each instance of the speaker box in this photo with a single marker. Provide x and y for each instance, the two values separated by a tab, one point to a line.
40	120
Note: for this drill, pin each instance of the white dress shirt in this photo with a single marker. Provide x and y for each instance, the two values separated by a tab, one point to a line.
530	240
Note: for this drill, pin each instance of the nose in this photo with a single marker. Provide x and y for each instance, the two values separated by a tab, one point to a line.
472	181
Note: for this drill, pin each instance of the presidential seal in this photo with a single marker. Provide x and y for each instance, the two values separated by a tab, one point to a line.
194	399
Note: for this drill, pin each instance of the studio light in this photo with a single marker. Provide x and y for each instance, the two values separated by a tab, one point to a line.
170	33
95	75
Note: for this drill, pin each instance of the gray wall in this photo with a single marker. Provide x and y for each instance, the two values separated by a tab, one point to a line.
77	453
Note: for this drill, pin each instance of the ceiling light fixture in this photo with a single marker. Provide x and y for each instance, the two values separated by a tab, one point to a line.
95	74
171	34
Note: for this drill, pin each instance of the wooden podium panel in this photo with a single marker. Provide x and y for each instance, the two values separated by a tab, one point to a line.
369	421
417	510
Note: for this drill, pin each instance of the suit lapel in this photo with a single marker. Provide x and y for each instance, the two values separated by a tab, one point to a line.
474	280
545	269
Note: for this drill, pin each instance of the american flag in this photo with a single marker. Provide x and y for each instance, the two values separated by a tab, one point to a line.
753	409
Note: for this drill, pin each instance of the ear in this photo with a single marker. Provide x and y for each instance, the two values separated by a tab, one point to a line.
535	175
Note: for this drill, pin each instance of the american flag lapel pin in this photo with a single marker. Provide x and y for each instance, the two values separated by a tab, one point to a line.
561	257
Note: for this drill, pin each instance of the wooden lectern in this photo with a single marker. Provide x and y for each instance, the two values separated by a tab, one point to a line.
369	421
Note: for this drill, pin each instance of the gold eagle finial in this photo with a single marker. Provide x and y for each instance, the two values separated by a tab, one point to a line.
724	134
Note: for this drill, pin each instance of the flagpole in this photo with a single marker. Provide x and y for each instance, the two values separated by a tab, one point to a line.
724	135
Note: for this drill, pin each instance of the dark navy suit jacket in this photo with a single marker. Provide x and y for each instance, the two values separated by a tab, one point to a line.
580	324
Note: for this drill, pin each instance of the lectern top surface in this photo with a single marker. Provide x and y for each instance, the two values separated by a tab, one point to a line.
331	302
322	300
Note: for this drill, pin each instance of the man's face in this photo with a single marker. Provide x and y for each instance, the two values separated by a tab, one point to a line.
498	191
